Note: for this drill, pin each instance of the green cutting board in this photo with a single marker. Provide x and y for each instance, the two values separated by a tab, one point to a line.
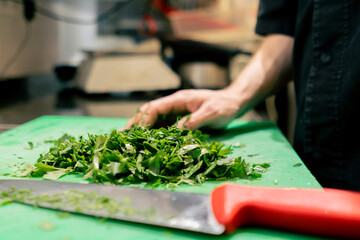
260	142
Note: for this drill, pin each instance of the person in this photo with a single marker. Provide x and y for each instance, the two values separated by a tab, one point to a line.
317	44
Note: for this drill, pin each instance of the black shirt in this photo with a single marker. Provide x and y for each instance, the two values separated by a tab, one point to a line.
326	72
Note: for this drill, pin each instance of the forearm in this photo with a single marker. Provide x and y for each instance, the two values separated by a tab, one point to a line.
267	72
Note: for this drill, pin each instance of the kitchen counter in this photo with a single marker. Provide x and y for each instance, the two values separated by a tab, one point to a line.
261	142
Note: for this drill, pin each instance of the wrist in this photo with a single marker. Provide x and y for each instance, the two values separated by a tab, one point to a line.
238	99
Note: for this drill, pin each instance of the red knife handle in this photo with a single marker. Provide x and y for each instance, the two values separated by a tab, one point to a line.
327	212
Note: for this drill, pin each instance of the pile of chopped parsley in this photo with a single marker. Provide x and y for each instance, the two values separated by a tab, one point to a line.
167	156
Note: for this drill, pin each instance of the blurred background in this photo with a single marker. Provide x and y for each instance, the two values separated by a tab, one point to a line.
105	58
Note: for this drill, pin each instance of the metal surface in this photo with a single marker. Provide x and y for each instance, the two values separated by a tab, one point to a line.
187	211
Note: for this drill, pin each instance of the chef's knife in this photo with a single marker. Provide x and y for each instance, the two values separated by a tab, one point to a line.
326	212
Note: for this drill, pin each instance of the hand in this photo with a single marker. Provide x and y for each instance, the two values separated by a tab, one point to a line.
206	107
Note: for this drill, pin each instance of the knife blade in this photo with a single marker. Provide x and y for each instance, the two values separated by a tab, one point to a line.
188	211
325	212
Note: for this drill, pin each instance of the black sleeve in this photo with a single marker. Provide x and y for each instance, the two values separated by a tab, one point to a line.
276	16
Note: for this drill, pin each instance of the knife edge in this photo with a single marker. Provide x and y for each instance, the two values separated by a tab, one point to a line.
186	211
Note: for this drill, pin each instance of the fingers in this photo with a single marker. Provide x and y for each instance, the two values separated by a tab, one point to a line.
214	109
149	112
183	122
139	117
199	118
216	112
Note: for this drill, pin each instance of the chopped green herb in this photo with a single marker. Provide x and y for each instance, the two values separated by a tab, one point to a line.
170	216
297	164
264	165
167	156
31	146
63	215
5	200
26	170
80	202
260	167
53	175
